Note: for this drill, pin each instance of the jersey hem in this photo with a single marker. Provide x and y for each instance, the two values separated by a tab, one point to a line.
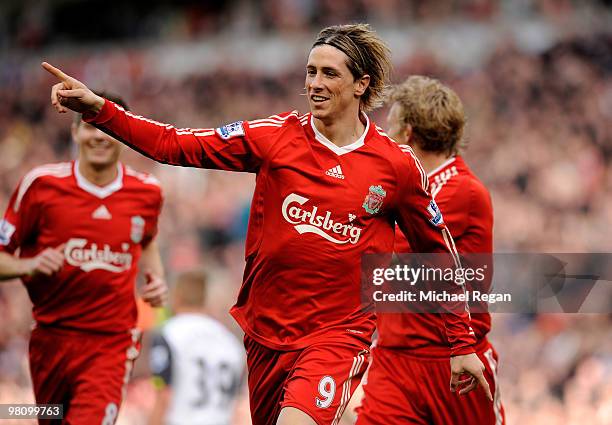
76	330
434	352
300	344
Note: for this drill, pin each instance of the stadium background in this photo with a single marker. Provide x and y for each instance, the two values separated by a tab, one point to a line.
535	77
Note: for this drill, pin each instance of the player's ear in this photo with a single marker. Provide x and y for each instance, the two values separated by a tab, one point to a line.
407	134
74	128
361	84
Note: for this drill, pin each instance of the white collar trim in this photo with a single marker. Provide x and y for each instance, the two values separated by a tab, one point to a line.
99	191
441	167
340	150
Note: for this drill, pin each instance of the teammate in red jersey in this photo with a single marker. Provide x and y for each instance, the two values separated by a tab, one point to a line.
330	187
80	229
408	380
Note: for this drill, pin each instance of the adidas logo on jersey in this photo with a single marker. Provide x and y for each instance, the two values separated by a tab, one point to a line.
102	213
335	172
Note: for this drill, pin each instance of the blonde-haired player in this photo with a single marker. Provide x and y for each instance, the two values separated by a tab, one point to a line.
408	379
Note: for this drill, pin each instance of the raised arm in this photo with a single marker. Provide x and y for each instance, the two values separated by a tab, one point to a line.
233	147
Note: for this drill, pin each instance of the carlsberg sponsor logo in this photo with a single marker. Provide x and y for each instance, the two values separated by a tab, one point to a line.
309	220
94	258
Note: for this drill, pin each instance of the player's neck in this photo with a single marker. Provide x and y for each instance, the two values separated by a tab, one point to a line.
342	131
430	160
98	175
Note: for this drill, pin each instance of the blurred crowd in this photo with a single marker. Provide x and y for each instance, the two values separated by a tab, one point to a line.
35	23
539	136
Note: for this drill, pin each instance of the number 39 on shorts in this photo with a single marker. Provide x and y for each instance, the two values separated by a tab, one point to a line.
327	390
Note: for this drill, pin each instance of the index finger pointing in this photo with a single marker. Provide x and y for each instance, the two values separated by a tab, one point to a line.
55	71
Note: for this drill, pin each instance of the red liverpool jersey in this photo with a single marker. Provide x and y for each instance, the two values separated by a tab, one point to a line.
316	209
103	230
468	213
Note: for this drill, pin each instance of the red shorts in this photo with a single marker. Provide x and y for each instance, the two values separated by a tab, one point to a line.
318	380
404	389
87	373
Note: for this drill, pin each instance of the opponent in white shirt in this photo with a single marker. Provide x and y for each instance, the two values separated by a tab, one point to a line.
198	365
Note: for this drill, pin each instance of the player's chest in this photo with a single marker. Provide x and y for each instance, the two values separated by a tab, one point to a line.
319	188
118	219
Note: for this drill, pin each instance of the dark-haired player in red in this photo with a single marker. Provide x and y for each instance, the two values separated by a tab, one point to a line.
80	229
330	187
408	379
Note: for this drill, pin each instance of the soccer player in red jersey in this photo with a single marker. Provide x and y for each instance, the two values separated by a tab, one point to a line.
408	379
80	229
330	186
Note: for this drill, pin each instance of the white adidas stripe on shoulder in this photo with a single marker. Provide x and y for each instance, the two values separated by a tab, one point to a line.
266	121
196	131
143	177
293	113
382	133
265	124
205	133
408	150
424	180
273	120
60	170
141	118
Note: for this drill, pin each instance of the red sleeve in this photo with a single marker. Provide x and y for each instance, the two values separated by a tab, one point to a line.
421	221
400	243
157	204
20	221
233	147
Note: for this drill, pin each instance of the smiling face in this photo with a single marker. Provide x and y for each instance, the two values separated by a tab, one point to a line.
96	148
330	86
